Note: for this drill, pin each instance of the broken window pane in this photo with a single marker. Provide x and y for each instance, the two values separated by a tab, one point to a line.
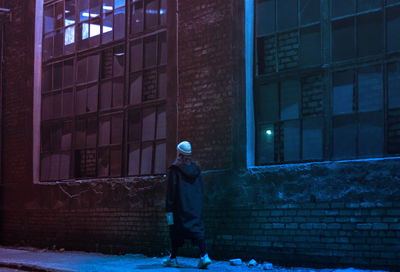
151	13
370	88
371	134
393	85
343	39
313	138
135	96
134	126
265	17
291	140
146	160
69	12
104	131
309	11
49	20
115	165
343	7
159	161
105	95
344	137
149	118
137	17
119	23
267	106
118	93
150	52
310	45
161	123
287	14
370	34
265	144
393	28
343	83
136	56
116	131
133	160
290	97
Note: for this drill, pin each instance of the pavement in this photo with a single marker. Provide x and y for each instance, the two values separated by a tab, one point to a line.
42	260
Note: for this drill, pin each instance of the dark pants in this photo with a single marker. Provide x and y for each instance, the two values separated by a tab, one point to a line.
178	242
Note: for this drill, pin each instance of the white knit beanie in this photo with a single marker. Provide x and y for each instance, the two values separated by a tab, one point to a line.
184	148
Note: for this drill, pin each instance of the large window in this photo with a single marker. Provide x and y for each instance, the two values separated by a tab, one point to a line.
103	89
326	97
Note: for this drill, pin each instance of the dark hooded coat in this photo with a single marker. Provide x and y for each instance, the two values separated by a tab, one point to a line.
185	201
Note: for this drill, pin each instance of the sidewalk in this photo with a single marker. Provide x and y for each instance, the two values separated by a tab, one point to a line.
31	259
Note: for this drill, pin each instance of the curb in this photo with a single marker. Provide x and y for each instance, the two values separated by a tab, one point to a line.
30	267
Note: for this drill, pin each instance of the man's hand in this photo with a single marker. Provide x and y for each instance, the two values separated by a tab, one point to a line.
170	218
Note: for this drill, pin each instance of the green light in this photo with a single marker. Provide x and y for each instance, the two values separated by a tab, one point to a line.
268	132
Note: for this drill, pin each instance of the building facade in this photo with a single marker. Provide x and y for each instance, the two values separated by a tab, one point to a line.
291	107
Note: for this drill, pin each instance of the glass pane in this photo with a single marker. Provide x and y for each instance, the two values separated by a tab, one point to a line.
163	12
56	113
146	160
68	73
116	130
115	167
343	7
150	52
149	118
118	93
83	10
91	133
135	96
65	160
393	85
107	6
67	103
265	17
94	8
69	40
343	83
83	35
287	14
310	46
94	31
151	13
58	42
105	95
370	34
343	39
119	23
82	71
393	28
137	17
107	27
312	138
291	140
159	161
161	123
48	46
47	106
265	144
309	11
104	131
94	67
162	84
69	12
134	126
66	137
371	134
54	166
92	99
162	49
45	167
103	163
267	107
49	19
290	98
363	5
57	73
133	160
119	3
119	61
59	14
47	78
344	137
80	133
81	101
136	56
370	88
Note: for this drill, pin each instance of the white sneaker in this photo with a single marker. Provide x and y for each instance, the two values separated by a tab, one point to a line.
204	262
170	262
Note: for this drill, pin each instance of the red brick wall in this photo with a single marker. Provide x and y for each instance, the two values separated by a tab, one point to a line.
205	70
